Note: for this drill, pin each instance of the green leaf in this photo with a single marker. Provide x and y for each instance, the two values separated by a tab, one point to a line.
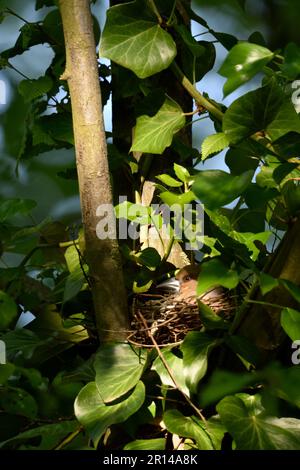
133	38
181	173
250	241
178	199
96	416
216	188
6	370
17	401
31	89
146	444
286	120
292	288
118	369
223	383
175	364
210	320
154	134
8	309
215	273
196	348
169	181
12	207
214	144
291	64
267	283
252	112
290	322
227	40
74	283
133	212
149	257
243	61
244	348
51	434
186	426
251	430
21	343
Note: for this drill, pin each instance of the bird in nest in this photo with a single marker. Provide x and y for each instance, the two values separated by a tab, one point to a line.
184	286
171	309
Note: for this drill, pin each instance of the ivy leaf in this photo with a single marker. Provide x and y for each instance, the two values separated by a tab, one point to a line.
196	348
241	64
74	283
227	40
18	401
50	435
215	273
290	322
214	144
179	199
267	283
8	309
223	383
118	369
133	38
181	173
147	444
186	426
175	364
216	188
251	430
286	120
31	89
154	134
169	181
11	207
291	64
252	112
96	416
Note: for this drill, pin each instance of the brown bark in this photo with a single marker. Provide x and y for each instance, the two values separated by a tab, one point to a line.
103	257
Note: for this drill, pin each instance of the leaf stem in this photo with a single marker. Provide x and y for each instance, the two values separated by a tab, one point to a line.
155	10
11	12
172	13
198	97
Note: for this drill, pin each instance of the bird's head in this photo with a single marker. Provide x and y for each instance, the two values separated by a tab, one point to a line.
184	283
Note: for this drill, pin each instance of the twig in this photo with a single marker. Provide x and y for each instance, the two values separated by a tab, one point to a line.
169	370
69	438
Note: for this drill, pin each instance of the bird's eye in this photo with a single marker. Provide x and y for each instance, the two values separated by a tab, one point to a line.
187	278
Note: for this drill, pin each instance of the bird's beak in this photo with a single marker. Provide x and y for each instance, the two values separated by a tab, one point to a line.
171	285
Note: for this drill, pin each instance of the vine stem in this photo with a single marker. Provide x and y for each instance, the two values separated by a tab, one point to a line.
198	97
169	370
155	10
69	438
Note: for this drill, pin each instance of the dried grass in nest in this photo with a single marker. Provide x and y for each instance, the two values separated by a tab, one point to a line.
168	320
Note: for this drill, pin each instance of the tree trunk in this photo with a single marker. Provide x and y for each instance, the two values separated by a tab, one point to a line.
102	255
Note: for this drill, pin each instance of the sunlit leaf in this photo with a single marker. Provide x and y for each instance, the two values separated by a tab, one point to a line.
251	430
133	38
216	188
214	144
243	61
118	369
96	417
154	134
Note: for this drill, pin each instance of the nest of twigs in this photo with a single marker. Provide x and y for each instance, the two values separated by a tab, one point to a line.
166	320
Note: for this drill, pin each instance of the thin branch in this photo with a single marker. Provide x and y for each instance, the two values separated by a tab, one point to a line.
169	370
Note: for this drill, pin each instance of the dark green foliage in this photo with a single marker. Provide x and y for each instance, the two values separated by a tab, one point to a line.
57	381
